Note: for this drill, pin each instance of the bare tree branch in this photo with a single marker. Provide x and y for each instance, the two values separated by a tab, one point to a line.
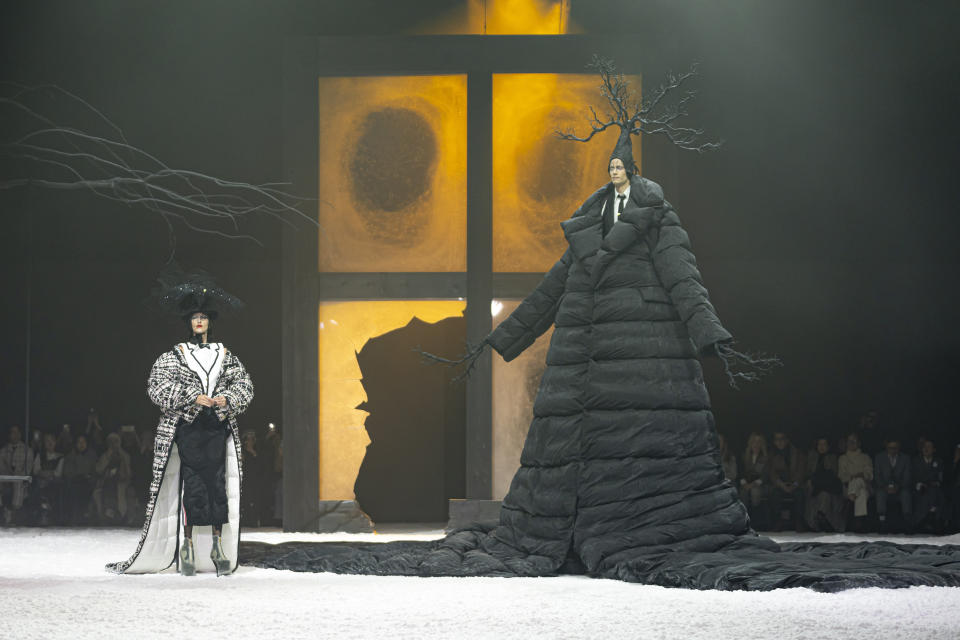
52	154
596	125
468	360
756	365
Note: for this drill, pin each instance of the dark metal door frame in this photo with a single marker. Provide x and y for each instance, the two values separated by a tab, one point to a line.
479	57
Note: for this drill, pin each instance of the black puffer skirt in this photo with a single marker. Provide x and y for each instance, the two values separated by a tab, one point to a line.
203	468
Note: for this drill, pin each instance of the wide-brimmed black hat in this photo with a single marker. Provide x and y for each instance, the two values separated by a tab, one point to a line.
181	294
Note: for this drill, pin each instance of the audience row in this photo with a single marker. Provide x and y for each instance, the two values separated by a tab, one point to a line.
784	487
98	478
103	478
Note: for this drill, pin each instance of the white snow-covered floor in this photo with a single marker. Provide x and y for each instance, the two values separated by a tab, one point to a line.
53	585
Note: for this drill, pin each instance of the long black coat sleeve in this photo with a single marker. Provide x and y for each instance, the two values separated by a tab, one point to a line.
677	268
534	315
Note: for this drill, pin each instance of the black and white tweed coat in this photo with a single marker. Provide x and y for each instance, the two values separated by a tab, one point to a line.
174	387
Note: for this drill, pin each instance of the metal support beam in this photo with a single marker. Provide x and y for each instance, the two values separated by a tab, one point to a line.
417	286
301	460
391	286
479	436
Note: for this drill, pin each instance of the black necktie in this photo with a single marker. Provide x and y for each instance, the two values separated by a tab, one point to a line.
608	217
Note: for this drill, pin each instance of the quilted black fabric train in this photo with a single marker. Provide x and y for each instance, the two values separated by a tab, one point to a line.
620	475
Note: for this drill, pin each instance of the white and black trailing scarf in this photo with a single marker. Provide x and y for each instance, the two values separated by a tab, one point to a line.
174	386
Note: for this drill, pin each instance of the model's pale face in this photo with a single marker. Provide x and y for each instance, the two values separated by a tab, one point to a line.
200	323
927	449
618	173
822	446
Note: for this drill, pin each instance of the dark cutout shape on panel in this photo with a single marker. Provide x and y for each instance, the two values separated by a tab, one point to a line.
416	457
391	169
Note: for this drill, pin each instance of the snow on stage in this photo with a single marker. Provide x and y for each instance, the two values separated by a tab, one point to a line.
52	585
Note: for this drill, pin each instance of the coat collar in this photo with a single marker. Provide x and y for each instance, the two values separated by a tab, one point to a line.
584	231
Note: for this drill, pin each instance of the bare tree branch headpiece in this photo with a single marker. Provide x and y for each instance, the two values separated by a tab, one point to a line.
657	115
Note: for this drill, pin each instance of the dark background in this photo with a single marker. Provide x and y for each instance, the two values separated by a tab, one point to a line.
825	227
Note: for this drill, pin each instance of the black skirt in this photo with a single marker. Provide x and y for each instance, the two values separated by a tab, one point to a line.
202	447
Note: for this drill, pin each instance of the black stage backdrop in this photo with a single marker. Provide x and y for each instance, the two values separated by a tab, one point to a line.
826	228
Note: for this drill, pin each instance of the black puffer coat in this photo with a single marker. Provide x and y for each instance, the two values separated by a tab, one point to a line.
622	451
620	474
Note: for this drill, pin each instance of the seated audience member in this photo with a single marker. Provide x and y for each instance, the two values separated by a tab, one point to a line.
727	460
927	475
65	440
855	470
785	475
891	475
826	510
753	491
16	459
79	476
35	444
47	472
94	432
113	470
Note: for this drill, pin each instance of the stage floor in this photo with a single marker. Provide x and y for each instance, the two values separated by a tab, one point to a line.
53	585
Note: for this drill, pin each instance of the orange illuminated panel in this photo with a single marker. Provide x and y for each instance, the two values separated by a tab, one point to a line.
515	386
344	329
392	173
524	17
501	17
538	179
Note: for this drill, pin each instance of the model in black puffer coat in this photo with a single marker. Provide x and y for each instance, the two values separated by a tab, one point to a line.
622	450
620	474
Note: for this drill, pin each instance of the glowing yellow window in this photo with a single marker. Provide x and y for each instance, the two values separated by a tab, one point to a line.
393	173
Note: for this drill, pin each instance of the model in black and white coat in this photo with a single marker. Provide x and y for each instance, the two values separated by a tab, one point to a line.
194	500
